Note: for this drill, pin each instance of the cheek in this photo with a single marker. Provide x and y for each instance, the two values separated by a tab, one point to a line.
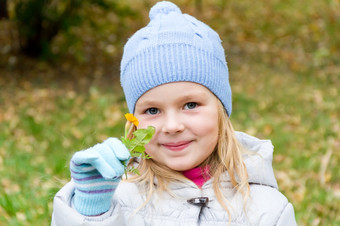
209	133
151	148
144	122
209	130
207	125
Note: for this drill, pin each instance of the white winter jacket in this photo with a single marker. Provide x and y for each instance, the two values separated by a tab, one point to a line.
266	206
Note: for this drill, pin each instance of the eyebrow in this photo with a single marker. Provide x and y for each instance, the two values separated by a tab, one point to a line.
191	96
147	102
199	95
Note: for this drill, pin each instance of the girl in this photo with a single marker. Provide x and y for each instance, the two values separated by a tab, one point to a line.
175	78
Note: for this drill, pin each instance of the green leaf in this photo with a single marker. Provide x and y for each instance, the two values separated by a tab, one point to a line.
139	149
136	145
141	138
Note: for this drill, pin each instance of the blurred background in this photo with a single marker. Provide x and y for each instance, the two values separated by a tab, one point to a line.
60	92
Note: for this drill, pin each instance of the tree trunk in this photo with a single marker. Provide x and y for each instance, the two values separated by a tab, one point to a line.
3	9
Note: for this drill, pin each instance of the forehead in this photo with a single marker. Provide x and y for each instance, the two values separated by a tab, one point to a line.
176	90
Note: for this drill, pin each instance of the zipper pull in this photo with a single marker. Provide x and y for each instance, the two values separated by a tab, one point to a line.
199	201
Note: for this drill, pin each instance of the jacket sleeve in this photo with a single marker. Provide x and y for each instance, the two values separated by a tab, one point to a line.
64	215
287	217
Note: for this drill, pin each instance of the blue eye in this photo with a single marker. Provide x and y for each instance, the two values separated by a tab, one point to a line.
190	105
152	111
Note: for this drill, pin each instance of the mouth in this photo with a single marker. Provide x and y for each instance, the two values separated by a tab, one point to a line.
177	146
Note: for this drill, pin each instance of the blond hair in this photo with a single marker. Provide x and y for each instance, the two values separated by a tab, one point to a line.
227	157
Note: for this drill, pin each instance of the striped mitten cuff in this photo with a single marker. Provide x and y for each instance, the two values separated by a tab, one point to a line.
93	193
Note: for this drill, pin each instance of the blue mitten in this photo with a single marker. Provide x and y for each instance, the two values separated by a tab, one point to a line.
96	173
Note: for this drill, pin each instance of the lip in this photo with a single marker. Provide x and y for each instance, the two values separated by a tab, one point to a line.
177	146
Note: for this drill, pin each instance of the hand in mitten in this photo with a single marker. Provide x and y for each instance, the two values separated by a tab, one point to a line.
96	173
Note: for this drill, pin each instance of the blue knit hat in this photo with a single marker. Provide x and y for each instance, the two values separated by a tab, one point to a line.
174	47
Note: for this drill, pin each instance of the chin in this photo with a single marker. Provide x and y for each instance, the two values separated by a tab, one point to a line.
180	167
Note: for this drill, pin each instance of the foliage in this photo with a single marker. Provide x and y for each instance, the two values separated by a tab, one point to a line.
136	144
285	77
39	21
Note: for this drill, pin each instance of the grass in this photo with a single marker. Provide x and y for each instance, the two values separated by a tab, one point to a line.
42	127
300	116
285	77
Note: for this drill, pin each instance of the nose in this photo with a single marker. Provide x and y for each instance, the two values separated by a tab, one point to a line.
172	124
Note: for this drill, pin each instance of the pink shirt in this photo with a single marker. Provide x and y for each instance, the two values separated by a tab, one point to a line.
198	175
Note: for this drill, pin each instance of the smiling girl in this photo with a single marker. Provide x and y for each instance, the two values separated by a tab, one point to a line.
201	172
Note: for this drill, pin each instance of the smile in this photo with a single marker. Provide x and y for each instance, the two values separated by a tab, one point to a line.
177	146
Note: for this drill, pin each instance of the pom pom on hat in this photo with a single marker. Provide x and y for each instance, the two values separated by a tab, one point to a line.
174	47
163	8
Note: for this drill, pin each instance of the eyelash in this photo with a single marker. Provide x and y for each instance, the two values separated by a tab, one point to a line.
147	111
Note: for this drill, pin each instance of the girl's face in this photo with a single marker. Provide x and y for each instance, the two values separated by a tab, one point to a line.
185	115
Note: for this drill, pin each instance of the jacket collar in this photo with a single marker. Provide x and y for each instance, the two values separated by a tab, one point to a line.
258	162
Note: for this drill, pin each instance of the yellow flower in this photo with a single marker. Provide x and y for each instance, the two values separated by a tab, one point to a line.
131	118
